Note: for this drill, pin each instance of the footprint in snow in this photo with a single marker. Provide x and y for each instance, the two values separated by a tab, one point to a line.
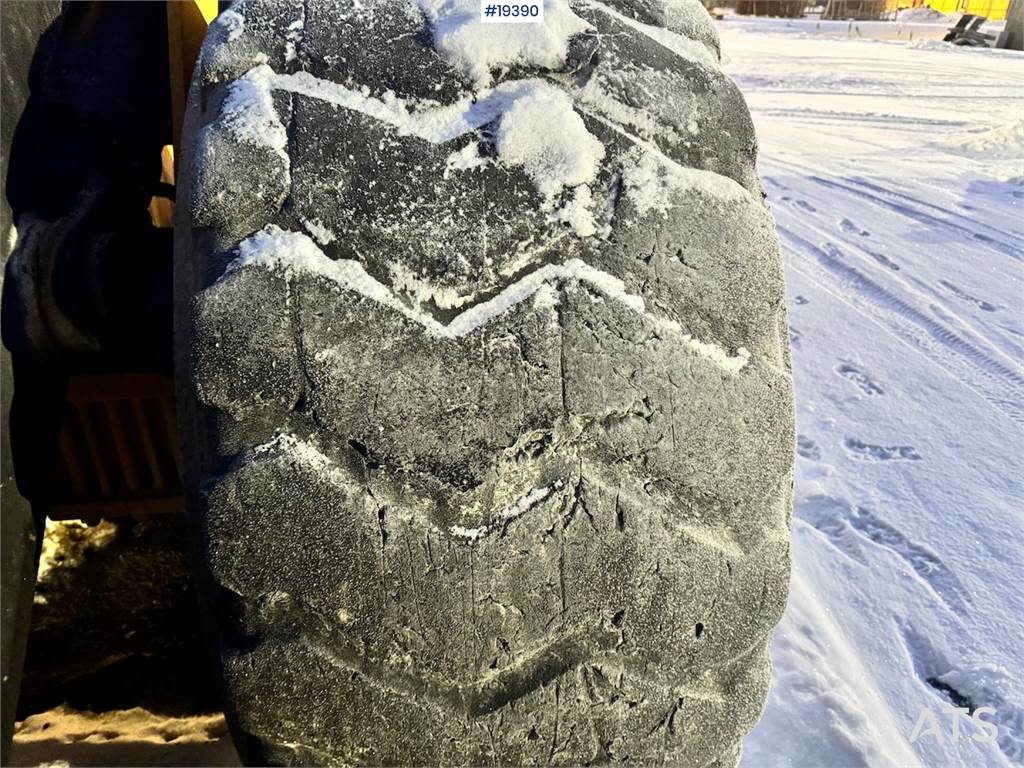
865	383
862	451
801	300
794	337
882	259
963	295
850	228
807	448
802	205
851	528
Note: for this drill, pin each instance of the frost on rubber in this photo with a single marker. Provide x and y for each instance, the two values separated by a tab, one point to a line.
489	432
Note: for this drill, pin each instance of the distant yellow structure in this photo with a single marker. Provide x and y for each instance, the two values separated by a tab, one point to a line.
995	10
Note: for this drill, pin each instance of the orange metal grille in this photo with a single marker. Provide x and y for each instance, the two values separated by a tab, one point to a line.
118	449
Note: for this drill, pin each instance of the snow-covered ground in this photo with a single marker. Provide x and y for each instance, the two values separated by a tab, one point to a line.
911	25
896	174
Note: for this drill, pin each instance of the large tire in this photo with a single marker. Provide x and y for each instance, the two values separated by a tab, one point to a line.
481	472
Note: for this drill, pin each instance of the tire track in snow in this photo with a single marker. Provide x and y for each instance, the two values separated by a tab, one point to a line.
914	213
831	117
908	206
970	224
927	293
1000	385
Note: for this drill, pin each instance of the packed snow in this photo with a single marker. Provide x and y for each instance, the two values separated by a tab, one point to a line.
248	112
320	233
577	212
564	154
650	179
475	47
920	31
895	174
233	24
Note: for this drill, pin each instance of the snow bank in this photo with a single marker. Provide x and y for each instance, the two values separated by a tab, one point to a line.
972	51
475	48
1005	142
924	13
997	152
